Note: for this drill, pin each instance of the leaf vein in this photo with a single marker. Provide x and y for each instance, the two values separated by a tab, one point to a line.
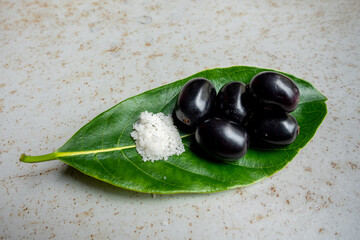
146	173
122	132
96	158
162	108
102	135
195	173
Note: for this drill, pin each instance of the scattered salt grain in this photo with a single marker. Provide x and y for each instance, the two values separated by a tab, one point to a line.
156	137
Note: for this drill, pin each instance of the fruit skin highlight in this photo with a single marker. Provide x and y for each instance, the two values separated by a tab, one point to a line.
230	102
275	128
273	90
195	103
222	139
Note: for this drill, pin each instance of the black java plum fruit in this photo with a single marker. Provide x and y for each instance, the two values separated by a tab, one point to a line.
230	102
275	90
222	139
195	103
274	128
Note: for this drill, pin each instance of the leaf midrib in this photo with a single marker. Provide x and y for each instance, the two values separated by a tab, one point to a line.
69	154
86	152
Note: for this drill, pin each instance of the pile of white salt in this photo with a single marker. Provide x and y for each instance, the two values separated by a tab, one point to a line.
156	137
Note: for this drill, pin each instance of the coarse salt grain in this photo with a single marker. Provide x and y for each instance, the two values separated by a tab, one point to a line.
156	137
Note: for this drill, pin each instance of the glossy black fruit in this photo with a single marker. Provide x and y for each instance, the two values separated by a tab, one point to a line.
278	128
230	102
273	89
222	139
196	102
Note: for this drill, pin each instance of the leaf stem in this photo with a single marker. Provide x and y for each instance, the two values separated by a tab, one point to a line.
54	155
35	159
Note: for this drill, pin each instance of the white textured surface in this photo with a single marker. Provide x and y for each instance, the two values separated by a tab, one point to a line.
64	62
156	137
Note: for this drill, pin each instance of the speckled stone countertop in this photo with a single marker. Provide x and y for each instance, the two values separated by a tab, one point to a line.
64	62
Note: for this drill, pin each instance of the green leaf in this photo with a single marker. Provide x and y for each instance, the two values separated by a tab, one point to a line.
104	149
